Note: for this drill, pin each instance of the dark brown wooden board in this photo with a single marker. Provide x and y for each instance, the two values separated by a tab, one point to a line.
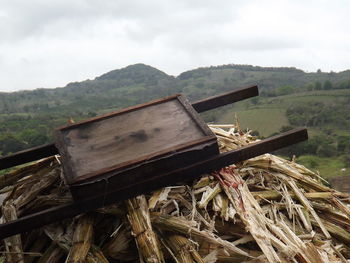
225	98
47	150
180	174
145	140
28	155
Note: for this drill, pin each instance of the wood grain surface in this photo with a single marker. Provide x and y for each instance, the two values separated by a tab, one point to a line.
130	137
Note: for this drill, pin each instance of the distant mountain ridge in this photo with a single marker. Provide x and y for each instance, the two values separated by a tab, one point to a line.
141	73
288	97
137	71
27	118
139	83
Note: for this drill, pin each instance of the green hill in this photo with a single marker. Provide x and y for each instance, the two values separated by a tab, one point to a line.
288	97
325	113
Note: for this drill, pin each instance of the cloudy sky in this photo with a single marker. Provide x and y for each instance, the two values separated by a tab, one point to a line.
48	43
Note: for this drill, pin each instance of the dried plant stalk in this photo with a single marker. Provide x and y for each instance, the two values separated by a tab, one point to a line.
30	192
82	239
336	231
251	214
17	174
146	239
13	244
96	256
182	226
209	195
309	207
53	254
121	246
182	249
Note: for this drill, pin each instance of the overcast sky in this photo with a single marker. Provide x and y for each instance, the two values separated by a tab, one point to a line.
49	43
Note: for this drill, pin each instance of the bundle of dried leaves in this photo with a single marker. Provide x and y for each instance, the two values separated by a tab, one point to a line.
266	209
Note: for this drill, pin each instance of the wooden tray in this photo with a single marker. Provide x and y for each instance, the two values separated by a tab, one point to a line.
114	150
46	150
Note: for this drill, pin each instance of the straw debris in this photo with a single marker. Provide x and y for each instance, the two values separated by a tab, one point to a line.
265	209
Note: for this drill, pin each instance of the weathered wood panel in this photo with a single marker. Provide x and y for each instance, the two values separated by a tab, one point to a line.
132	136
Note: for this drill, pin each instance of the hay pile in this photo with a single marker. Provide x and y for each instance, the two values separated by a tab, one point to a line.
265	209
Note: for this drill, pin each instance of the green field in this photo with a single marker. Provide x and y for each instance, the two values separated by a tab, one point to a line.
268	116
326	167
266	121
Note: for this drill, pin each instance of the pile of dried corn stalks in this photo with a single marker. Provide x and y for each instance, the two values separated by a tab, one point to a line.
265	209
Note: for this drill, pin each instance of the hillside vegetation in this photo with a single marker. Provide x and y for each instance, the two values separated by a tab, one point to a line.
288	97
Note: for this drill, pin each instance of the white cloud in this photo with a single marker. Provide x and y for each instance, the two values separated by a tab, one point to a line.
50	43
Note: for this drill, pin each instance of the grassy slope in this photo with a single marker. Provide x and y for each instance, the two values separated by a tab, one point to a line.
327	167
264	120
269	116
